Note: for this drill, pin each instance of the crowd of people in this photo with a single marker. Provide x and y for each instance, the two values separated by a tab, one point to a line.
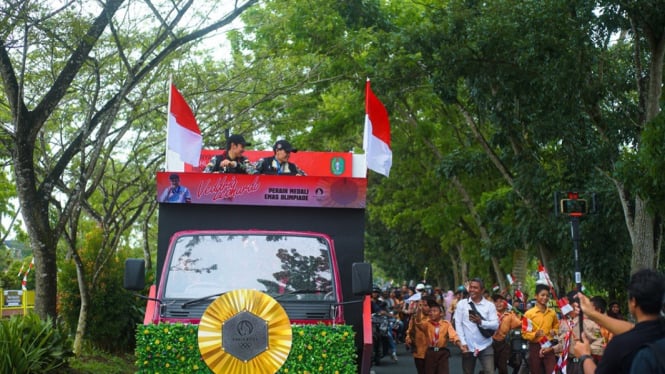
572	334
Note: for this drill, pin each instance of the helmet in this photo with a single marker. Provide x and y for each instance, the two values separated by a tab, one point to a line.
420	287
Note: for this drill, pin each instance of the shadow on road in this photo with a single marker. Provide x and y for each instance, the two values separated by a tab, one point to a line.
405	365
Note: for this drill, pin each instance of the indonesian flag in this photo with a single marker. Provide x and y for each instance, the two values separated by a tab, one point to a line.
376	141
527	325
510	278
563	358
24	282
542	273
183	135
519	295
564	306
544	342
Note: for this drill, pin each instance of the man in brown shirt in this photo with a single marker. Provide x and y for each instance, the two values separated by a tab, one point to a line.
508	320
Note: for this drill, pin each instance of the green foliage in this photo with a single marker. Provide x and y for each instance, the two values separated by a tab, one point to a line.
10	280
30	345
113	311
315	348
168	347
321	348
92	360
649	176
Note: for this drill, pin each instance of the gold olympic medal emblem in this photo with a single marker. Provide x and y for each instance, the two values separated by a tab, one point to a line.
244	331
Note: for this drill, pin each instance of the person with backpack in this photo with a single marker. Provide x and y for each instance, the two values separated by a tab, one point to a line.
645	302
650	359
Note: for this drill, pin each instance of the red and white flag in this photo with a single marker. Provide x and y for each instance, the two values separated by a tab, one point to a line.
527	325
510	278
20	272
376	141
183	135
542	273
563	358
564	306
544	342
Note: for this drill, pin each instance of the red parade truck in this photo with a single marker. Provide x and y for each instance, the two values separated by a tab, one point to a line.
298	239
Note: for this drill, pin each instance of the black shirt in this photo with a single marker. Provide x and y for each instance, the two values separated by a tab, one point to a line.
270	165
214	166
621	350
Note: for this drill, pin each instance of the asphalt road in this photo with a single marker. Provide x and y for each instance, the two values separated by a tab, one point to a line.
405	365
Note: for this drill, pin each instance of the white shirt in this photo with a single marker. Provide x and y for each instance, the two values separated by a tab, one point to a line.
468	331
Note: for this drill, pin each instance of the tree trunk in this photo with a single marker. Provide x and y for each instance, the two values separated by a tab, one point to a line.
520	262
500	276
644	240
82	325
456	271
646	226
36	218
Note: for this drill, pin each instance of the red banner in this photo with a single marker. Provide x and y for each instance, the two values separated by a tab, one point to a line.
266	190
322	164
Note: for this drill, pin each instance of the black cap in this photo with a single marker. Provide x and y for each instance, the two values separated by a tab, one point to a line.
498	296
236	139
174	177
283	144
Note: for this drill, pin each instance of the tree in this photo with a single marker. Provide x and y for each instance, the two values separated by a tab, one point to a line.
643	215
68	68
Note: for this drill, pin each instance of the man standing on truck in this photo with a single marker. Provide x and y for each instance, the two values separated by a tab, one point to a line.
231	160
279	163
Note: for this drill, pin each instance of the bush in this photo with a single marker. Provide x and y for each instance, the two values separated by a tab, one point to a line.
315	349
30	345
113	312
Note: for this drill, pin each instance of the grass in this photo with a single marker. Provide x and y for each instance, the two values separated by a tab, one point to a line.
98	362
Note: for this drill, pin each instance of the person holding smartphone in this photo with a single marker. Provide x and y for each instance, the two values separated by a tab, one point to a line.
470	314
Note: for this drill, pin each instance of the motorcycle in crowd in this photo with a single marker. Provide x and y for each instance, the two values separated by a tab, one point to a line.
383	326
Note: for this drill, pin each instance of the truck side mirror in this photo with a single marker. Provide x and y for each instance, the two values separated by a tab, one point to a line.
134	274
361	278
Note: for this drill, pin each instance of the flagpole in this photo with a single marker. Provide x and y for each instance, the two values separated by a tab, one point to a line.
168	111
365	132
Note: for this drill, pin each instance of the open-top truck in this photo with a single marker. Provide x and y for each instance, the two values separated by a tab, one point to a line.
298	239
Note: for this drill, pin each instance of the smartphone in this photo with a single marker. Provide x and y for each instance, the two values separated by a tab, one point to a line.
473	313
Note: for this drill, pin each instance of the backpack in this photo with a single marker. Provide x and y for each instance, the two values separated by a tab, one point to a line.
650	358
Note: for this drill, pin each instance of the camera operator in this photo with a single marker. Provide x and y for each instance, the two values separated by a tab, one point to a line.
645	300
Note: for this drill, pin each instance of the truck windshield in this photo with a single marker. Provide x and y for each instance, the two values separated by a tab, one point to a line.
289	265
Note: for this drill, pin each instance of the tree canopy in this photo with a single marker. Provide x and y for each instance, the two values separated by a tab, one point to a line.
494	107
